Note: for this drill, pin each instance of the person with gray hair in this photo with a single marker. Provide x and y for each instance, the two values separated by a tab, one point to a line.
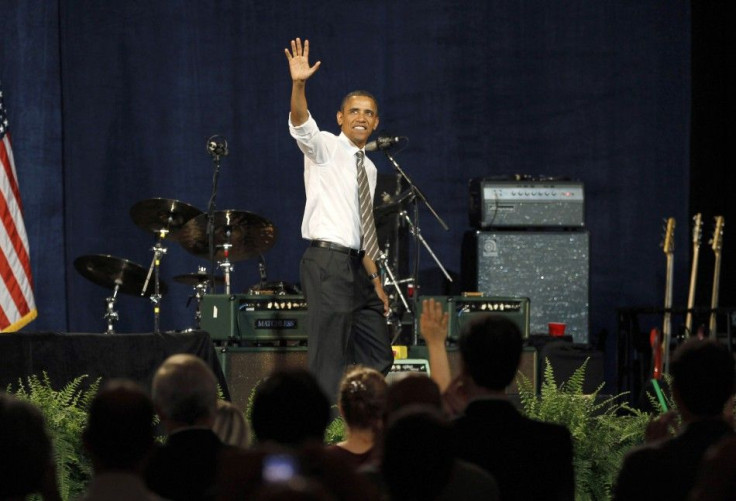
185	398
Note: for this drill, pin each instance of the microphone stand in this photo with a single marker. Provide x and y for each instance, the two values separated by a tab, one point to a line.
217	147
414	227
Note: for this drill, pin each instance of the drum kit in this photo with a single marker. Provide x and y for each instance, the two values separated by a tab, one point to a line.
224	237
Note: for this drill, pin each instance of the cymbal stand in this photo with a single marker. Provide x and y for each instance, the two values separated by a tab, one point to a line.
391	279
416	232
225	264
158	252
393	321
110	314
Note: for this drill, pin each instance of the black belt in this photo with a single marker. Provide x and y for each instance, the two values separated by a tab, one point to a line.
337	248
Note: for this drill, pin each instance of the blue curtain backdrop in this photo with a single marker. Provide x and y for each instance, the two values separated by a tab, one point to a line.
111	103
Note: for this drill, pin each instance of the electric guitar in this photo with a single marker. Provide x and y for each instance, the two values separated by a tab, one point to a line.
697	232
717	245
655	340
668	246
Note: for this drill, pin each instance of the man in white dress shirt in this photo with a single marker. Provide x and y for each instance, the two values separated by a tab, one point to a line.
339	274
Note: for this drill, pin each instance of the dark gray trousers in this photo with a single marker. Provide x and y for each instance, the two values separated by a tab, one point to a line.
345	322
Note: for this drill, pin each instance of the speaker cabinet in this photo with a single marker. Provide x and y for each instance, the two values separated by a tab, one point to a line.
244	368
528	365
551	268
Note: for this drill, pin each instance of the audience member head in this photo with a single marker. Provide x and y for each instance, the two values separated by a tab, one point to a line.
24	446
230	425
490	349
417	453
289	408
702	377
413	389
362	398
185	392
119	432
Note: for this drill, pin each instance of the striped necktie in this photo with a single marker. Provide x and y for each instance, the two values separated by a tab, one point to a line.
367	225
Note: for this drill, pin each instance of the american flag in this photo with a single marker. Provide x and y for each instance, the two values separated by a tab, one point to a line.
17	306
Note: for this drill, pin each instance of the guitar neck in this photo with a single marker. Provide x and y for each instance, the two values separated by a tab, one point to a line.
697	229
717	245
714	296
691	292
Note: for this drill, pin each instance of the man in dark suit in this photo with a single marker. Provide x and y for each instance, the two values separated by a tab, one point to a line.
185	397
702	382
530	460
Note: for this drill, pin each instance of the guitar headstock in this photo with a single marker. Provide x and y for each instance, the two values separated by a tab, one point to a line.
697	229
716	242
668	244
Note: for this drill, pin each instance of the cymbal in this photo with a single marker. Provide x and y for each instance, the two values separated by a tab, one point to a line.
109	271
395	204
195	279
157	214
248	233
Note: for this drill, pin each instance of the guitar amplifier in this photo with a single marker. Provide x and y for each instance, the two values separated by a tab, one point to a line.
254	317
462	309
510	203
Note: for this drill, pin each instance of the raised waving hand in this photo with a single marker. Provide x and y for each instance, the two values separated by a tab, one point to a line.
298	59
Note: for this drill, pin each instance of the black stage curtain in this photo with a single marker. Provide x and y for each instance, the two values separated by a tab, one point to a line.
65	357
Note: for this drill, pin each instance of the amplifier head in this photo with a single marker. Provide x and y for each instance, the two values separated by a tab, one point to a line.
462	309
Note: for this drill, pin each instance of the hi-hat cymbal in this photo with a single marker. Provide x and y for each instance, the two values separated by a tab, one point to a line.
195	279
248	234
109	271
162	214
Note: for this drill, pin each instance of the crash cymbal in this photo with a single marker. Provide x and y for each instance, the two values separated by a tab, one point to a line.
195	279
248	233
156	214
109	271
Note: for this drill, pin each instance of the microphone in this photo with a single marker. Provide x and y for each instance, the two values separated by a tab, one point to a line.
217	146
382	143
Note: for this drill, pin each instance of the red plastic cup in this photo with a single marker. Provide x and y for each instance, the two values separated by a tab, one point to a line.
556	329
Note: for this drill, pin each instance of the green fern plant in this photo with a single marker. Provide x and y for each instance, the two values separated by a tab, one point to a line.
602	429
65	411
335	431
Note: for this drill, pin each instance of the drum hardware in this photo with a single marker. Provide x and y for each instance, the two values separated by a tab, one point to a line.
164	218
390	279
200	282
118	274
411	196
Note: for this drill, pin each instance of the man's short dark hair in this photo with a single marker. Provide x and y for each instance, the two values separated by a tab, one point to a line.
25	446
289	408
490	347
119	429
703	375
354	93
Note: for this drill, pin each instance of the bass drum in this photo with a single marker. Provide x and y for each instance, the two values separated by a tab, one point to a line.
275	289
